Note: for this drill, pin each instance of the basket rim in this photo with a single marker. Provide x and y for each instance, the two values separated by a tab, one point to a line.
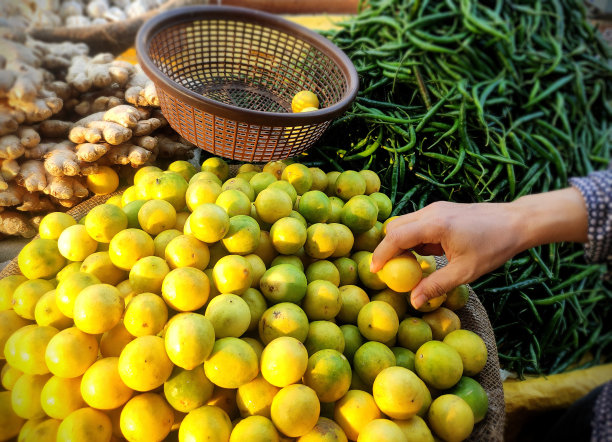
274	119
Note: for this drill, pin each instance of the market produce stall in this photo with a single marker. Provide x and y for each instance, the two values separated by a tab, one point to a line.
461	102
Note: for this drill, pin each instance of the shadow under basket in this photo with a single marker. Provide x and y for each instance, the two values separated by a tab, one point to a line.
225	77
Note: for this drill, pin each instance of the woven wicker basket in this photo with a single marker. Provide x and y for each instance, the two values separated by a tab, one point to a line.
473	317
225	78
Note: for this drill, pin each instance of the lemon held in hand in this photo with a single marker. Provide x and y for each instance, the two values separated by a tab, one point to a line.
401	273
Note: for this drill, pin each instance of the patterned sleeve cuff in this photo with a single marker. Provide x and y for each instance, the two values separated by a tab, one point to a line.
596	189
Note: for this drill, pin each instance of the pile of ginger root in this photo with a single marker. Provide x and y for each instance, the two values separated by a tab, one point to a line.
64	114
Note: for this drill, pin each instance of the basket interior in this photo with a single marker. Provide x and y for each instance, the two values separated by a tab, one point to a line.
244	64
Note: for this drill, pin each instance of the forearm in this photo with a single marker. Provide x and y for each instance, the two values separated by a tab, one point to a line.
544	218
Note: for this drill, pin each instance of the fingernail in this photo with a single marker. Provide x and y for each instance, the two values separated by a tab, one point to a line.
418	301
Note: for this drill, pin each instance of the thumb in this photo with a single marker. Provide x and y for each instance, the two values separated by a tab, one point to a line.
436	284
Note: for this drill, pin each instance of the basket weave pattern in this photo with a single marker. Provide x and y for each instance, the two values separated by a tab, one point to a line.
243	64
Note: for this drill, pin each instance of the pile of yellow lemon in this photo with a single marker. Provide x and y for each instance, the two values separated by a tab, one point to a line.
207	308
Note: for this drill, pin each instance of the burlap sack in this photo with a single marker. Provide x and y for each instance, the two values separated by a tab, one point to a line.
473	317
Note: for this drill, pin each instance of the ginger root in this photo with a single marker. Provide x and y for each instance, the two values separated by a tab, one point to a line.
140	90
65	187
62	160
15	223
32	176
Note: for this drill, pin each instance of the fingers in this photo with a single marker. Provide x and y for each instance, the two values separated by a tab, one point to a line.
399	238
437	284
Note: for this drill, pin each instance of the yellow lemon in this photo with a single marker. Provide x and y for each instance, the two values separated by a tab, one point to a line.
284	361
53	224
396	300
413	332
147	274
115	200
100	265
25	349
265	249
71	352
295	410
398	392
471	348
146	314
128	246
48	313
61	396
104	181
273	204
186	289
10	322
189	339
8	284
85	424
208	423
304	99
322	300
275	168
146	417
347	269
242	238
25	395
232	274
234	202
254	428
326	430
114	341
258	268
186	390
372	358
69	288
345	240
299	176
9	376
255	397
209	223
98	308
144	364
348	184
372	181
353	298
101	386
354	411
40	258
378	321
415	429
141	172
324	335
170	187
229	314
231	363
451	418
162	240
105	221
283	319
69	269
155	216
328	373
442	322
181	219
401	273
381	430
321	241
370	280
202	191
216	166
438	364
184	168
352	340
75	244
27	294
288	235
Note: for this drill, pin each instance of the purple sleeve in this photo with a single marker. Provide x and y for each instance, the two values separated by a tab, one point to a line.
596	188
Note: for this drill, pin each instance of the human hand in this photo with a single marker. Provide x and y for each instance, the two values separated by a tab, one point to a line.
478	238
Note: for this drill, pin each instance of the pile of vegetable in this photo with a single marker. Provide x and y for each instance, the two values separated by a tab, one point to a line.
489	101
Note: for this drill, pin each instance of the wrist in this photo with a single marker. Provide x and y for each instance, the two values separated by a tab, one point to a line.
549	217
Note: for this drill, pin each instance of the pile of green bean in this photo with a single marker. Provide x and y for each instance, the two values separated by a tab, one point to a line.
475	101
